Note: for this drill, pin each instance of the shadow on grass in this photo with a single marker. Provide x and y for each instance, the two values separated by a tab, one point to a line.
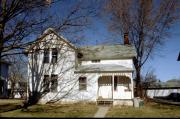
9	107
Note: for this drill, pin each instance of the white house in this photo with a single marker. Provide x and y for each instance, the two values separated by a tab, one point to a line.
89	73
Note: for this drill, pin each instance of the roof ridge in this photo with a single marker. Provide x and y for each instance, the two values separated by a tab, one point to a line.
44	34
103	45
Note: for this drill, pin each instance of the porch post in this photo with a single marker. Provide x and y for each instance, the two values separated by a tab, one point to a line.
112	86
132	86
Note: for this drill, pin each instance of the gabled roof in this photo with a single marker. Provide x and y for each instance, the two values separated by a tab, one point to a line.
101	52
102	68
47	32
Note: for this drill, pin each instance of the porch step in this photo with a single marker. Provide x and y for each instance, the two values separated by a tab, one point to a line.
104	102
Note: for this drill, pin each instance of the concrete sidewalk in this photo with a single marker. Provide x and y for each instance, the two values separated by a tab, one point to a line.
101	111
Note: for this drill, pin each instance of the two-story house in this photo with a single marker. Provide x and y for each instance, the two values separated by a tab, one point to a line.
89	73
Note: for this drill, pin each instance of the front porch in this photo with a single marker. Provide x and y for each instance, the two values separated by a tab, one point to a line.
116	88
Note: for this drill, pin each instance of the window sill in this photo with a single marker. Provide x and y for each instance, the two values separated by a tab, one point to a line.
127	90
83	90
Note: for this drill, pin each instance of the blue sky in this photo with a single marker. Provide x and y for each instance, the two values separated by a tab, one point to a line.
164	61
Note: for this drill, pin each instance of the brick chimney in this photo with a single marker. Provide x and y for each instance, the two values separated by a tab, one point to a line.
126	39
178	57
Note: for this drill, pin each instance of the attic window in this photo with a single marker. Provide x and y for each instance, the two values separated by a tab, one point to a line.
79	55
95	61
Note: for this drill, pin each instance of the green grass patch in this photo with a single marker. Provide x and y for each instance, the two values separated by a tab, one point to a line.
55	110
149	110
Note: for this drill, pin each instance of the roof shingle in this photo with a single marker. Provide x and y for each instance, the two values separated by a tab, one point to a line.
101	52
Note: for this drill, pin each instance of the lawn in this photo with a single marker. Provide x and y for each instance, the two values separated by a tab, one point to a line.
10	104
10	101
55	110
149	110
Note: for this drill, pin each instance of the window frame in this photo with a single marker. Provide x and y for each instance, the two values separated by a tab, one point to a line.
82	85
54	55
46	83
52	87
46	55
96	61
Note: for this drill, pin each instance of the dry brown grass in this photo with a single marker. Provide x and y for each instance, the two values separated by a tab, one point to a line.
58	110
149	110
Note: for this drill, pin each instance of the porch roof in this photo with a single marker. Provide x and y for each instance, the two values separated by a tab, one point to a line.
102	68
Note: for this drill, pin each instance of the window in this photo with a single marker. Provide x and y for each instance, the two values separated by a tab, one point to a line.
54	55
79	55
46	83
82	83
46	55
54	83
95	61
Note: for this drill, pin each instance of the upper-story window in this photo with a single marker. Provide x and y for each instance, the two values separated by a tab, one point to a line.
95	61
54	55
46	55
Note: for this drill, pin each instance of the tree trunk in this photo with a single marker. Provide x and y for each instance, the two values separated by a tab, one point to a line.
139	90
1	43
32	99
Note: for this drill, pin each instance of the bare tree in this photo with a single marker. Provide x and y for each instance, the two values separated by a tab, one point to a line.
147	22
149	81
21	20
17	75
18	20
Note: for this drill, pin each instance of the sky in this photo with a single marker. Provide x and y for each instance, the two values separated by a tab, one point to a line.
164	62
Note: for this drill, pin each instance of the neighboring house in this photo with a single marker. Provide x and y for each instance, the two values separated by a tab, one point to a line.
165	92
4	79
90	73
18	89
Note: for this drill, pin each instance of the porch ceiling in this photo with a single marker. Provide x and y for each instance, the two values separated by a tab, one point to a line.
102	68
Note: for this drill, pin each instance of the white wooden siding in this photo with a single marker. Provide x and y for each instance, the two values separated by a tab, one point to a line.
124	62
